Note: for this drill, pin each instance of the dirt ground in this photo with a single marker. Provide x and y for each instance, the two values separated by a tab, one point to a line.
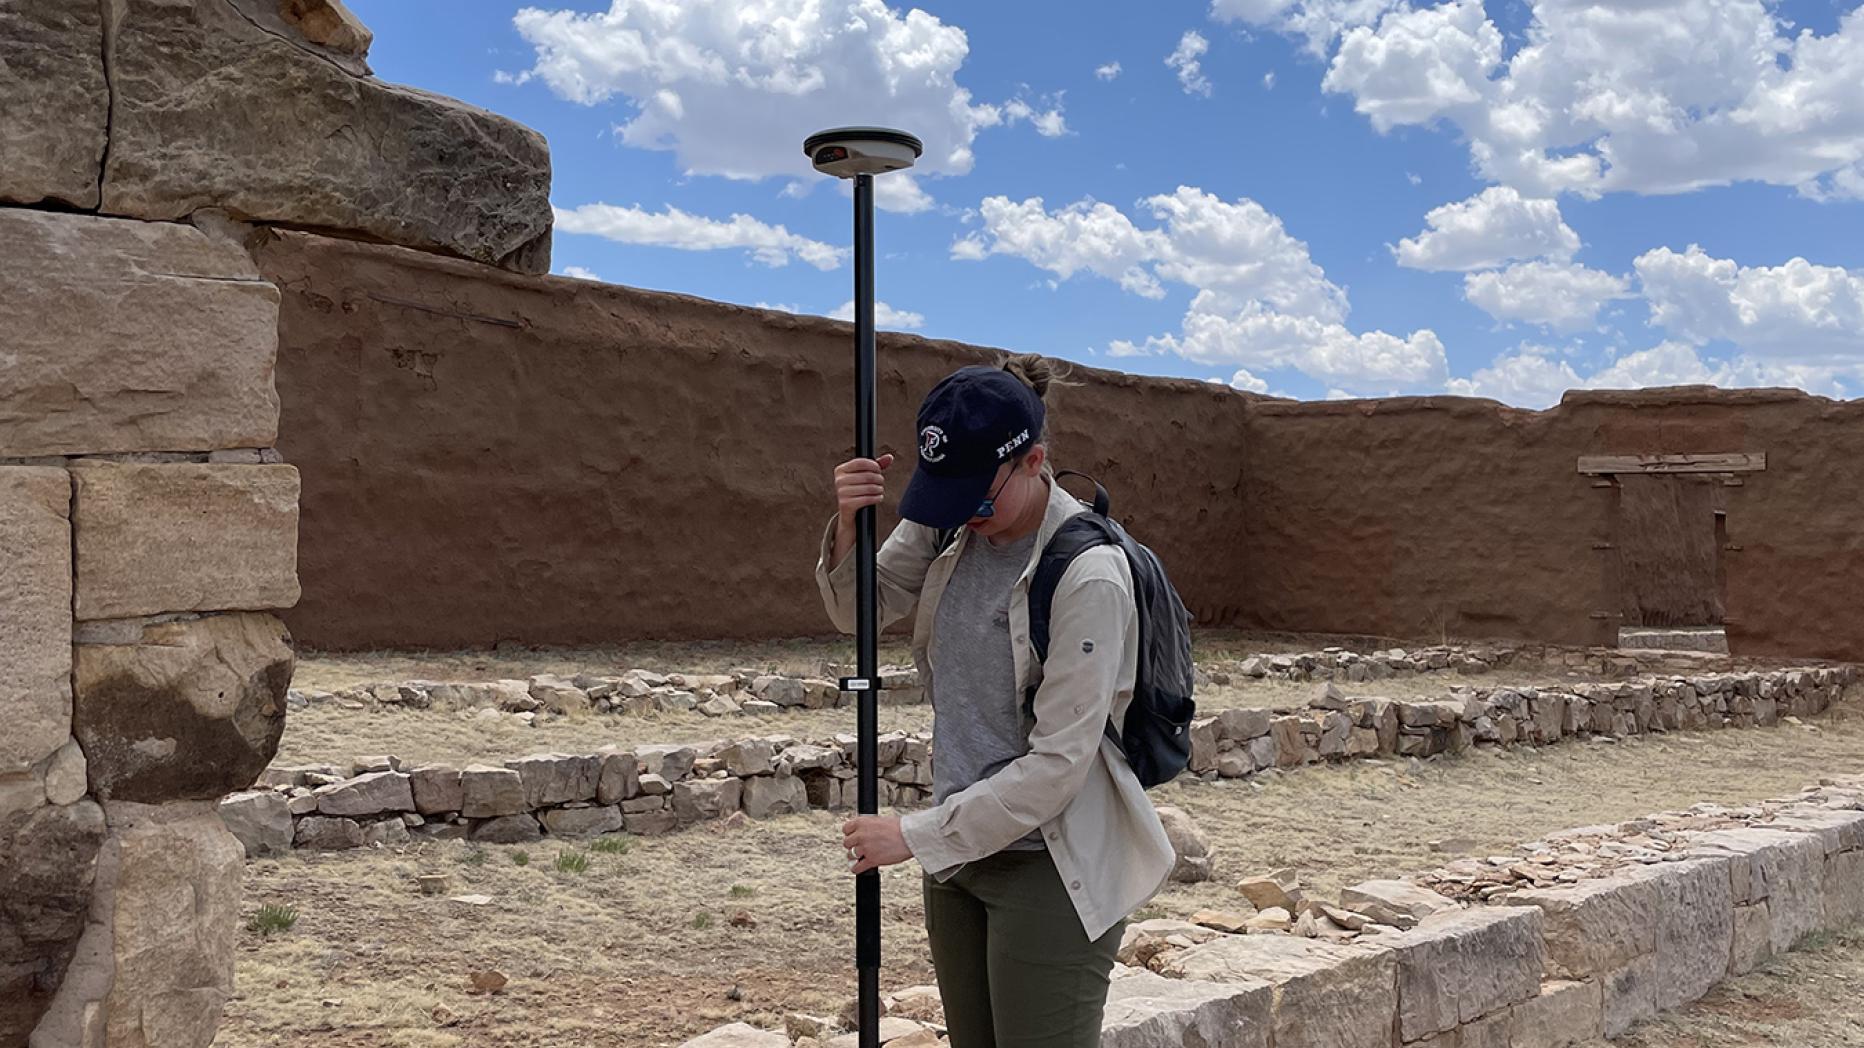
682	933
329	733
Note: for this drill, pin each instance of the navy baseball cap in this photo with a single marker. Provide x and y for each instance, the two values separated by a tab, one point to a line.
976	419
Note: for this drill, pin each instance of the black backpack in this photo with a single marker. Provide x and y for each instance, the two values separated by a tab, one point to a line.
1156	736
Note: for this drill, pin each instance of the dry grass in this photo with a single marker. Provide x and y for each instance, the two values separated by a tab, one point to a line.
612	957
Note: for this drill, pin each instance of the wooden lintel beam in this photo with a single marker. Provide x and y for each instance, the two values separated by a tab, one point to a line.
1720	462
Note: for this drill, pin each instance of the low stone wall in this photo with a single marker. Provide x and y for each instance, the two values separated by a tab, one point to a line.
1241	742
1571	938
1353	667
659	788
756	692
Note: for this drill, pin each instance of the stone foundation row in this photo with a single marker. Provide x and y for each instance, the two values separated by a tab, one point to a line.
1647	916
659	788
1351	667
1241	742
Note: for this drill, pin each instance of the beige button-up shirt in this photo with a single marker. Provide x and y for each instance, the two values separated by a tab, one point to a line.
1074	784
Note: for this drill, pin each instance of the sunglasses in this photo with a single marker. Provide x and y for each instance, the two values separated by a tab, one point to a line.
989	509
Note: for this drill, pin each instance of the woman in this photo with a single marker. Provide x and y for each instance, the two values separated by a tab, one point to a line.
1040	841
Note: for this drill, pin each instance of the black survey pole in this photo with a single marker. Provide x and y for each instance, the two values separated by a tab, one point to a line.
860	153
867	658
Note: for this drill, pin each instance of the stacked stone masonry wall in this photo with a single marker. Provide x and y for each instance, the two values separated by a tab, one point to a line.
149	529
1569	939
660	788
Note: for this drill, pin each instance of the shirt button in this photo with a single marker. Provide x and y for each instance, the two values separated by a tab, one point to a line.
1054	834
1077	708
1076	885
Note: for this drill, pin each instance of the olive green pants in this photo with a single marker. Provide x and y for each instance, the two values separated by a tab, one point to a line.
1015	970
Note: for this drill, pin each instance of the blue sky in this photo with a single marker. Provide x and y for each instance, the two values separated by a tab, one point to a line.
1307	197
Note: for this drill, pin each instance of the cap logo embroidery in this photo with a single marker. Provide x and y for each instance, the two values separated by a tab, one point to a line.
1014	443
931	439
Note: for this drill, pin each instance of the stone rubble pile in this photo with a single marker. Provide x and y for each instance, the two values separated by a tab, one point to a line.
1237	743
647	790
1656	911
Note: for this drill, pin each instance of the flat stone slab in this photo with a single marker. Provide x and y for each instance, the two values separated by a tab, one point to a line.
376	793
124	336
54	104
184	537
281	134
35	612
1326	995
1145	1010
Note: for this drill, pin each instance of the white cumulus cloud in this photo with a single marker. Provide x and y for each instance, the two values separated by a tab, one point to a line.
1652	96
1530	377
1261	302
1319	22
1495	226
1563	296
1796	312
1185	60
768	244
732	87
885	316
1109	71
579	273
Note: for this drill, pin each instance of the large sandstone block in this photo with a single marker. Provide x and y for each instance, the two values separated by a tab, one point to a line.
706	799
1844	890
1326	995
46	871
490	792
582	822
1150	1011
1563	1013
1455	968
173	901
1628	995
768	795
54	105
1597	926
193	710
1695	928
281	134
35	611
184	537
556	778
131	336
1785	869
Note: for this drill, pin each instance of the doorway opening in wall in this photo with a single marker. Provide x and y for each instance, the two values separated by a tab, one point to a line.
1671	535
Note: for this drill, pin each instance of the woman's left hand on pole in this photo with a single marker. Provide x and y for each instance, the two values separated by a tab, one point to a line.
873	841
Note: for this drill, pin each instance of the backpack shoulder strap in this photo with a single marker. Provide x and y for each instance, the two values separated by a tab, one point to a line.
1080	533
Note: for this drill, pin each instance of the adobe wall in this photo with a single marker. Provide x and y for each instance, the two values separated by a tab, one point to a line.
1419	516
493	456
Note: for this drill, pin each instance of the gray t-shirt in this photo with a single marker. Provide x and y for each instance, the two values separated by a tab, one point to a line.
977	724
